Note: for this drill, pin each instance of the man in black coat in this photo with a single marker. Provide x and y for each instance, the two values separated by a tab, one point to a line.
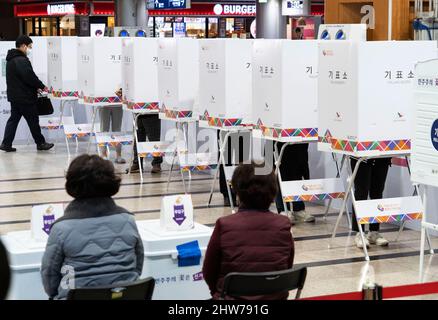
22	90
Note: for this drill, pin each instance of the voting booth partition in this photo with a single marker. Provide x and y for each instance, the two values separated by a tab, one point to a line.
368	113
425	142
285	109
140	81
62	66
39	58
100	78
178	81
224	98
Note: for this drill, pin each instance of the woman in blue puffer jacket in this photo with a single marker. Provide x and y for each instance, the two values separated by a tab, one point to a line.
95	243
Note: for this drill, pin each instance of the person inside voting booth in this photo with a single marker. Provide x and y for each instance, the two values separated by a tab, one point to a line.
96	242
252	240
111	118
149	127
294	166
370	182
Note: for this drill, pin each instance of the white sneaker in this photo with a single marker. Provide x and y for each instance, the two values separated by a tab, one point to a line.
358	241
289	215
303	216
376	238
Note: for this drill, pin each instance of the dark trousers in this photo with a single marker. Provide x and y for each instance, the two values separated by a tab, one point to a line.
30	114
239	144
149	126
294	166
370	182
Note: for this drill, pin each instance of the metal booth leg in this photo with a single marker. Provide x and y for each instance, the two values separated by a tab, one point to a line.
345	201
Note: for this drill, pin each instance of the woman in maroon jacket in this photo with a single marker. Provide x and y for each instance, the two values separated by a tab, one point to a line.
252	240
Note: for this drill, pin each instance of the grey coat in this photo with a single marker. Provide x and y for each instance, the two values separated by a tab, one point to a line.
96	243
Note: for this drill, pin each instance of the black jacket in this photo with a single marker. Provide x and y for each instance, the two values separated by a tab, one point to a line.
22	82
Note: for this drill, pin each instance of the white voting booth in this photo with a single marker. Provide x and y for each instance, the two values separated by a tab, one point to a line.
178	65
100	69
368	105
39	58
62	66
285	88
140	73
223	96
369	112
425	141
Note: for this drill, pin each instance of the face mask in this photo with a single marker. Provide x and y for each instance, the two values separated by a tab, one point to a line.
28	51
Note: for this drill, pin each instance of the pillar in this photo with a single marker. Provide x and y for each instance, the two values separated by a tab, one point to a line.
271	24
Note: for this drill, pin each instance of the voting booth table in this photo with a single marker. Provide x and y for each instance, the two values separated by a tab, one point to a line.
62	74
174	252
178	86
225	98
100	77
425	141
368	106
139	82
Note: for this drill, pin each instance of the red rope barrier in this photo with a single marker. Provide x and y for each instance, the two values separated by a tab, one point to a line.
388	293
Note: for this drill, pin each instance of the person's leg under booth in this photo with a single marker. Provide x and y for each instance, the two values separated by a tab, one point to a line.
362	185
152	126
105	121
141	136
116	126
379	172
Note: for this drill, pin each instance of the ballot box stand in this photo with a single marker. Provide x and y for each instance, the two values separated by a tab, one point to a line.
302	190
137	110
226	129
395	214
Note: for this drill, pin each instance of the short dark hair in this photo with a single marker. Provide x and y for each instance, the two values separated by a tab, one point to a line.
255	191
90	176
26	40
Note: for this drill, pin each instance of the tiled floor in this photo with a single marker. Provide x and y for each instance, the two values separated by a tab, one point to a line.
28	178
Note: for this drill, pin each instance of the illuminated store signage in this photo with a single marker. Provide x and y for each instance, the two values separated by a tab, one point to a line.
60	9
234	9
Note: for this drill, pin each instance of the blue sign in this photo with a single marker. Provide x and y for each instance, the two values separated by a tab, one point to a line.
171	4
434	134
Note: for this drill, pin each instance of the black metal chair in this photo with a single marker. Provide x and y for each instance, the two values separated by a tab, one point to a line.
140	290
264	283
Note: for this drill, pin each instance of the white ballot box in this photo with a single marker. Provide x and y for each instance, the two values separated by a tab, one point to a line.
100	65
356	32
365	94
25	256
174	281
140	73
424	158
39	58
178	76
225	81
285	88
62	66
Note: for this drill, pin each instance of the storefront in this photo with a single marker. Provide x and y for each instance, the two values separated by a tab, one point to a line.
203	19
63	19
